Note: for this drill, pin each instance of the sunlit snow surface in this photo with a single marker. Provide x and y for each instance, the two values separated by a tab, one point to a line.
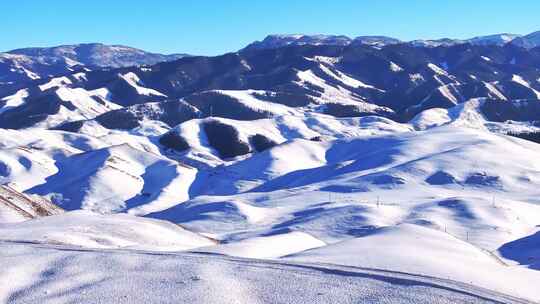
54	274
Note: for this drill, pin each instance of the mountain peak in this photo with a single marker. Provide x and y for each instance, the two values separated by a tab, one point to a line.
281	40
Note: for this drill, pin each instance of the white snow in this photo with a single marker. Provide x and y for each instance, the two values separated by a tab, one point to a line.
325	59
13	101
55	82
85	104
394	67
118	178
520	80
79	76
38	274
247	99
445	91
90	230
283	128
437	69
337	94
349	81
467	114
419	250
30	74
266	247
416	78
443	179
523	82
493	89
133	80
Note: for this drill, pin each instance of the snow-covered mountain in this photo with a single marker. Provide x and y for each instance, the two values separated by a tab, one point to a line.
382	169
38	63
397	82
96	55
277	41
376	41
497	39
528	41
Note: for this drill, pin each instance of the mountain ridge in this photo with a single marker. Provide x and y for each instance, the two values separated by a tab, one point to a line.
27	64
396	81
281	40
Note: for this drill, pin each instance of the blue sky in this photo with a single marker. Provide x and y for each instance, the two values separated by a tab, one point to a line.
218	26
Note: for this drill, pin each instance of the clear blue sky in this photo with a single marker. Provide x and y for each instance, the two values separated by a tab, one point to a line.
218	26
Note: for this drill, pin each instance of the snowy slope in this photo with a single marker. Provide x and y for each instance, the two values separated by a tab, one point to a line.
481	113
416	249
273	246
89	230
201	146
64	275
117	178
76	170
446	183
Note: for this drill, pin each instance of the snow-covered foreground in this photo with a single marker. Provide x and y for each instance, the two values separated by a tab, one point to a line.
44	274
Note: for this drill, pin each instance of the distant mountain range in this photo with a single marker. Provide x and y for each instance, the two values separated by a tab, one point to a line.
277	41
26	64
396	81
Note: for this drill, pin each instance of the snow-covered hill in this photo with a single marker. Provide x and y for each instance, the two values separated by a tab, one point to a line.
91	230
